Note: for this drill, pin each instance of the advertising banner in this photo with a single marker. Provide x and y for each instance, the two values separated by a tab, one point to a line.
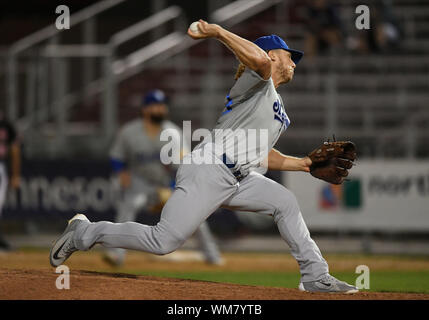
381	195
58	189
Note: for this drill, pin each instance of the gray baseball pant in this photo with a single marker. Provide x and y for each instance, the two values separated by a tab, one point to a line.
142	194
200	190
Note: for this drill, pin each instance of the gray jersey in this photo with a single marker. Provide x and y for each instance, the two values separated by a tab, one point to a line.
142	153
256	116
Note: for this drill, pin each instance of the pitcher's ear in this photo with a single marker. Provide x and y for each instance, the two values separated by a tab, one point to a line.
272	55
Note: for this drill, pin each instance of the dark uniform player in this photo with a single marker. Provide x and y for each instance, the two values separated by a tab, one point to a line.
9	153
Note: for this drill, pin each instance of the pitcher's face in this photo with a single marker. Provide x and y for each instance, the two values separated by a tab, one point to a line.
282	66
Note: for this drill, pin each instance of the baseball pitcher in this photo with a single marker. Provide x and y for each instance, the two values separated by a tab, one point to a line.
220	173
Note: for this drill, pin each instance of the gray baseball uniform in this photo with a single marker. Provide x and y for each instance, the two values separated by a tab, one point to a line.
231	182
141	155
141	152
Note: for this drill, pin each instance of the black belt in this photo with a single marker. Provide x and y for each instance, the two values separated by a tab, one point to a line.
237	173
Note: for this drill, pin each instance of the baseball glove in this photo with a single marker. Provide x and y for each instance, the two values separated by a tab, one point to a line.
331	161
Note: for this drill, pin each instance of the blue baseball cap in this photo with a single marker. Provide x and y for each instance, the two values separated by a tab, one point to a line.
154	96
272	42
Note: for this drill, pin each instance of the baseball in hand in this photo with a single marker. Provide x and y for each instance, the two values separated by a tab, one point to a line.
194	27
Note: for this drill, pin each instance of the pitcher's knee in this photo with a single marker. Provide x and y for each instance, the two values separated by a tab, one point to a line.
287	204
167	244
166	248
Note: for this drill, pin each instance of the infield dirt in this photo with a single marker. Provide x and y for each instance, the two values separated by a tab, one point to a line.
27	275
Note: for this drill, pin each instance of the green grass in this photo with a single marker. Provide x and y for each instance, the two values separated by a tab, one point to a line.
388	281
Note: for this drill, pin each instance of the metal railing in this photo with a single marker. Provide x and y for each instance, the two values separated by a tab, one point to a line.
50	34
240	10
117	69
43	58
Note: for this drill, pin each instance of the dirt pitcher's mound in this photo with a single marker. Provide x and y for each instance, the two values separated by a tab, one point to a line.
41	284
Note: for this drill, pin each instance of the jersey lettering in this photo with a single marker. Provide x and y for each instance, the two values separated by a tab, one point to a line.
279	114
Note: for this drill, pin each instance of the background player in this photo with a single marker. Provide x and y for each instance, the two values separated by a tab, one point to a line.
144	181
10	161
253	103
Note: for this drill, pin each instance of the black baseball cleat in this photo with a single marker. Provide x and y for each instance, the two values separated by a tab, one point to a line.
63	247
4	245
